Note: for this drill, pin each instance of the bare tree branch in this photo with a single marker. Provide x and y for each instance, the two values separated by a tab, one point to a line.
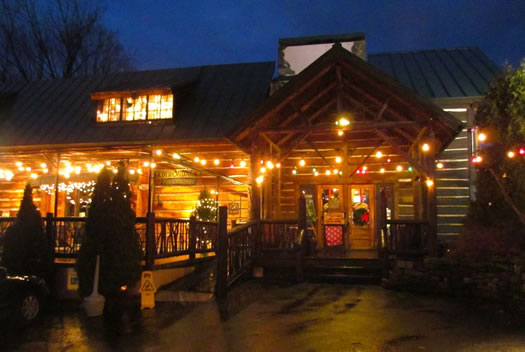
64	39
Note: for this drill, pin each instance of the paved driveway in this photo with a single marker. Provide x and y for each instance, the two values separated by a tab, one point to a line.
304	317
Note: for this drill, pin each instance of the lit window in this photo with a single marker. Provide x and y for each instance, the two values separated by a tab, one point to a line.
137	108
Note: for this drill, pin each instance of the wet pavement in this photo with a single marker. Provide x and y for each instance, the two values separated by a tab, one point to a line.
271	317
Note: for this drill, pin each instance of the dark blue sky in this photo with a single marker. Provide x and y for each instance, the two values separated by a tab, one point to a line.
171	33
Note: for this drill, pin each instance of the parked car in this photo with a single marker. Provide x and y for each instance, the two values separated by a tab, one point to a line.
21	297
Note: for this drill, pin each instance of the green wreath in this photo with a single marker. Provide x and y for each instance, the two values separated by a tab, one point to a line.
361	216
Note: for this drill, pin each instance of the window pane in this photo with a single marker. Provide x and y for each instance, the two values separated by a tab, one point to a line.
154	107
108	110
135	108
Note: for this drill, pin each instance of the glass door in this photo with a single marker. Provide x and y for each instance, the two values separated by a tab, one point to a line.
332	215
362	213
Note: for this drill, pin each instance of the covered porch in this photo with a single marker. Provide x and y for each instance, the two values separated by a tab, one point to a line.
362	151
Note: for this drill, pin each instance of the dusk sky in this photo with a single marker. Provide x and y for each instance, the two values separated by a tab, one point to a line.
168	33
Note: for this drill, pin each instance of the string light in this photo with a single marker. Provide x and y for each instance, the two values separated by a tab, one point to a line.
158	152
153	165
340	133
21	168
131	171
146	164
338	159
18	164
335	171
34	176
316	173
343	122
176	156
269	165
429	182
243	163
216	162
511	154
328	172
278	165
439	165
203	162
262	170
28	169
482	137
108	163
259	179
521	151
379	155
425	147
388	160
196	159
477	159
399	168
139	171
382	170
302	162
43	165
294	171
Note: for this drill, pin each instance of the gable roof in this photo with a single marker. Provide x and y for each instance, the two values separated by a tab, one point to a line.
209	101
380	89
439	73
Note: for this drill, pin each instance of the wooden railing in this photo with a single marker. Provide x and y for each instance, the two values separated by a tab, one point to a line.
406	237
279	233
159	237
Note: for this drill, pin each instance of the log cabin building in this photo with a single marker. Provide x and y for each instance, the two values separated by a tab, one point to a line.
360	140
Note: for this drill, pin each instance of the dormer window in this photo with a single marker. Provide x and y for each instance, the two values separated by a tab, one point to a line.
136	107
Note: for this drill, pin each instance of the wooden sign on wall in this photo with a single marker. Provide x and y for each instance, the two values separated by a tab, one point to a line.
175	177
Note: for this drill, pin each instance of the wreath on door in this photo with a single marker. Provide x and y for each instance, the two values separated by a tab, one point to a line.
361	215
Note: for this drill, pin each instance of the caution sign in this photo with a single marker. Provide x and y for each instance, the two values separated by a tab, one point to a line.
147	290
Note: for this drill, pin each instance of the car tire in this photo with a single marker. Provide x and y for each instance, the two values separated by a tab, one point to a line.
28	308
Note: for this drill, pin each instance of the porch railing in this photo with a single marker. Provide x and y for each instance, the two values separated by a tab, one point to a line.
406	237
168	237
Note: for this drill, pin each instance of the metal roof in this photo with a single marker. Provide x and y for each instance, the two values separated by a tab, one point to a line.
440	73
209	101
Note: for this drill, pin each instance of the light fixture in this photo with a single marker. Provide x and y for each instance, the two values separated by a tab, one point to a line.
216	162
379	154
302	162
343	121
482	137
338	159
425	147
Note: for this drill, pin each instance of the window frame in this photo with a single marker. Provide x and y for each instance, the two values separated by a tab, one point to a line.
101	98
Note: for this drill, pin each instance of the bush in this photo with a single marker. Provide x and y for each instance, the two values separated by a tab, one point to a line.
27	251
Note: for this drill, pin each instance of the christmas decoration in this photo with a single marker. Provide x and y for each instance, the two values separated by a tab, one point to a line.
206	209
361	215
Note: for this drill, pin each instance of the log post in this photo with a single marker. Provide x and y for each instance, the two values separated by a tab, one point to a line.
192	244
303	240
222	254
150	240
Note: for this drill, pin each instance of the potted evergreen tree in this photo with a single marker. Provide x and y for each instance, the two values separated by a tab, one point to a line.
27	250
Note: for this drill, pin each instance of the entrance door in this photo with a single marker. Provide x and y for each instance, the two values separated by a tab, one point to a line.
362	212
332	216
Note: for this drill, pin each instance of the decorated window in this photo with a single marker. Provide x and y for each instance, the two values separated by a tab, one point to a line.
360	206
135	108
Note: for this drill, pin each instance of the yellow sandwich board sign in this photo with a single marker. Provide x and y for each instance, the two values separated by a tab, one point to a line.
147	290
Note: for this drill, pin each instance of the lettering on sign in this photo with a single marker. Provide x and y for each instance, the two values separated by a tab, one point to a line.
234	208
175	177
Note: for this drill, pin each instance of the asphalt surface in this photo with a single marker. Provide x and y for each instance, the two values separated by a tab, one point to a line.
271	317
